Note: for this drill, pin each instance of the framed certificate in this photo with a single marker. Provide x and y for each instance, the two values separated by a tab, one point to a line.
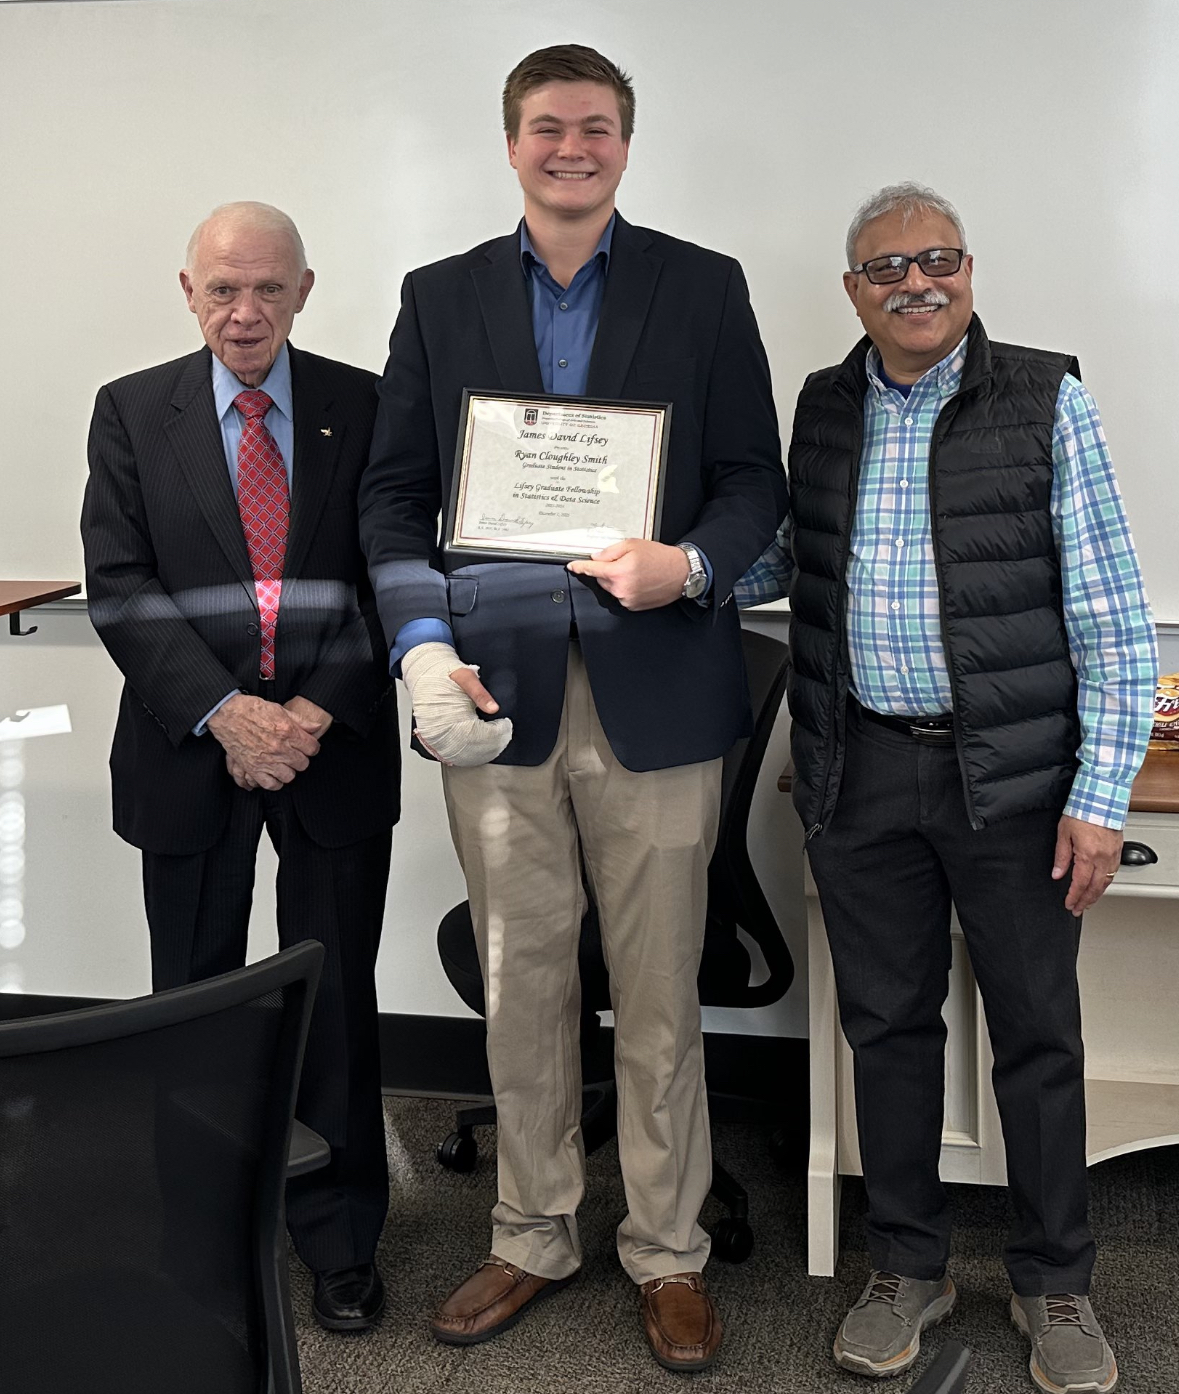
554	478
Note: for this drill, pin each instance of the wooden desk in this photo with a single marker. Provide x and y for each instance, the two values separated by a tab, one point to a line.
1156	790
1129	973
16	596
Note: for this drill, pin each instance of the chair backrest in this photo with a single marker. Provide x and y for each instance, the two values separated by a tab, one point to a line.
735	897
143	1149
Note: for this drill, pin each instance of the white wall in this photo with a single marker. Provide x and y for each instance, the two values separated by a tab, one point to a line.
375	123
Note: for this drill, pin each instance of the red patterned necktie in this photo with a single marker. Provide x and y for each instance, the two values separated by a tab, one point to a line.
264	503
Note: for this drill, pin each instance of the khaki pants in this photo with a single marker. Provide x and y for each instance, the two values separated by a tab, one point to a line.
522	833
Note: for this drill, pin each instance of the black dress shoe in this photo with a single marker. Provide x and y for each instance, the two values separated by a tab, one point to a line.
349	1299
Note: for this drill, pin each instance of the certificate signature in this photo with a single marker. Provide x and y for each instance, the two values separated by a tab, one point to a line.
500	524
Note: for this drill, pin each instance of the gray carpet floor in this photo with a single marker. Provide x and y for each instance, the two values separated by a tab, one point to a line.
779	1323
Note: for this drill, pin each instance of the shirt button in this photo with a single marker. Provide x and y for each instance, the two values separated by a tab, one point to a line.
251	629
908	420
896	604
904	483
562	363
564	306
900	541
558	596
904	669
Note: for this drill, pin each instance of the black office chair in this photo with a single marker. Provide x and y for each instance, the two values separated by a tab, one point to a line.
144	1148
735	900
947	1374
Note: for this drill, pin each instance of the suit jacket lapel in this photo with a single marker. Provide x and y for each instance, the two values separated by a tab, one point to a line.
317	443
630	284
507	316
195	435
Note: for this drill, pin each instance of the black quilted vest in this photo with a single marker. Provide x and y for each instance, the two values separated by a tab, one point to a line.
990	472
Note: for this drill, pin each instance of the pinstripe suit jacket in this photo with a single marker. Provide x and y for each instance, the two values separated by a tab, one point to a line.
171	595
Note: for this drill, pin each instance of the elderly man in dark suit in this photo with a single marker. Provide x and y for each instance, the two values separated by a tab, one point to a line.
619	681
226	581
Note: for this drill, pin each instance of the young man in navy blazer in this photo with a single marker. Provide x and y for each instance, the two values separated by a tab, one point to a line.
618	683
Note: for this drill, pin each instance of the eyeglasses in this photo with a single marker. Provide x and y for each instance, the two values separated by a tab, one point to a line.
936	261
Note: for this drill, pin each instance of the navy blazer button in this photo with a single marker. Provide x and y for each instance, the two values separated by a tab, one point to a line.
251	629
558	596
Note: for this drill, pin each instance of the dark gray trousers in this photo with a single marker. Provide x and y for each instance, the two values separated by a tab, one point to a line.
896	852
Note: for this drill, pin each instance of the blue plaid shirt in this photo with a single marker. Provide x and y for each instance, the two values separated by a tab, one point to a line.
898	664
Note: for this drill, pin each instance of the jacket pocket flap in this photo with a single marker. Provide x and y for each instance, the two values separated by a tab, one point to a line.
460	594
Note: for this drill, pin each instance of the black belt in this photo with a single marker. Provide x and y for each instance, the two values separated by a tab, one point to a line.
929	730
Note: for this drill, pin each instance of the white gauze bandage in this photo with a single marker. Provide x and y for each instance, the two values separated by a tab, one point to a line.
446	721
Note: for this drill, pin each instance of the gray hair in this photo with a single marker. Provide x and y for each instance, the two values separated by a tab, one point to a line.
250	214
909	199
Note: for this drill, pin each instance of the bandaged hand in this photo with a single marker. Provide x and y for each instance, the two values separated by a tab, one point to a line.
446	717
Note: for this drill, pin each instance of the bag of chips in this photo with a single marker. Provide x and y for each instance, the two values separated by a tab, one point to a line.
1164	734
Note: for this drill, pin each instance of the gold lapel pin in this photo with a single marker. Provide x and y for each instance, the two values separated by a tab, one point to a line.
325	430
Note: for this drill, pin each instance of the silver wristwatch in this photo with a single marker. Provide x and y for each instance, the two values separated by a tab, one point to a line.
697	581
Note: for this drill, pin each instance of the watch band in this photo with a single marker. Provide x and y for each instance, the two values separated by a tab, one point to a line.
697	580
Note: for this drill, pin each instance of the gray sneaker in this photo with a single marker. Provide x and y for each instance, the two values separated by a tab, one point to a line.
881	1335
1069	1351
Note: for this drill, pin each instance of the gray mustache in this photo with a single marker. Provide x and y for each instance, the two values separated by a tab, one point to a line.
899	299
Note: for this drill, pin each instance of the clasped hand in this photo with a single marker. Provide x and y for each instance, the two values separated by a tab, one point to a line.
265	744
640	575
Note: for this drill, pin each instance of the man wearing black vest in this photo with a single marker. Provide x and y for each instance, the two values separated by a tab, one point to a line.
973	667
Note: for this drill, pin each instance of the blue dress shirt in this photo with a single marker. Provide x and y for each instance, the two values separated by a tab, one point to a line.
565	318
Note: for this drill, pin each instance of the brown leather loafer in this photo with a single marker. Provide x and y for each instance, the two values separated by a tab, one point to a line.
681	1321
491	1300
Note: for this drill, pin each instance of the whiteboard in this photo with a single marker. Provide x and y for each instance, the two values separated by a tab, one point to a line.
760	127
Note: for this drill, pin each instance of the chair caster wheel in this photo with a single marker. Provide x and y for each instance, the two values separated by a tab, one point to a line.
732	1240
458	1152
